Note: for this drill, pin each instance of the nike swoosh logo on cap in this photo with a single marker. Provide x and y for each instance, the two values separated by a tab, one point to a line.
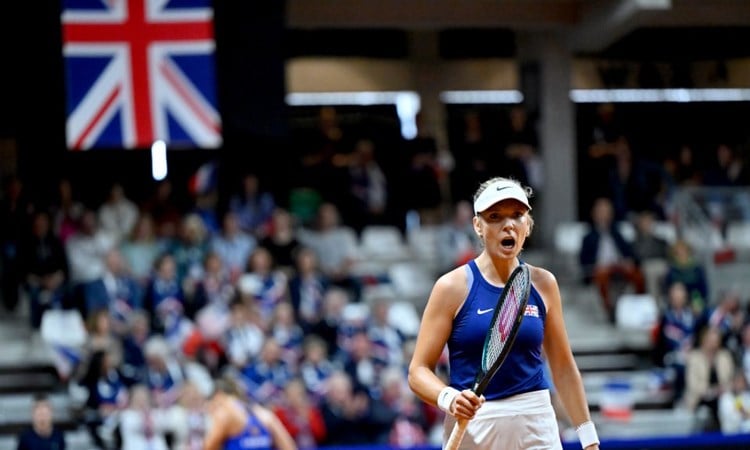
500	188
483	311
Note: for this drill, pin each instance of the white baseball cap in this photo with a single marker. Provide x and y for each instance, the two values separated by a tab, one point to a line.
499	191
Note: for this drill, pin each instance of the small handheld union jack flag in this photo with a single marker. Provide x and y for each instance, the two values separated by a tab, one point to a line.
140	70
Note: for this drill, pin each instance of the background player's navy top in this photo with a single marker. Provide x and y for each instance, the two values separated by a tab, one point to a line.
523	369
254	436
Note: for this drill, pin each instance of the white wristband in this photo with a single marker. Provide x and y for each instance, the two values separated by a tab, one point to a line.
587	434
446	397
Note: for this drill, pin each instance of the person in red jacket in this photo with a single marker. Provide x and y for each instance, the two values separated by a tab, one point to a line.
301	417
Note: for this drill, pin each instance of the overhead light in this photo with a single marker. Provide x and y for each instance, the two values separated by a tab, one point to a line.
659	95
407	103
495	97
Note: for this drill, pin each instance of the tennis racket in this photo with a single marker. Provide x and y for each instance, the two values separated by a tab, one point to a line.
506	321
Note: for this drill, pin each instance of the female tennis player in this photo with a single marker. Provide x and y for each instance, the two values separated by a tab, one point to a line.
515	411
235	425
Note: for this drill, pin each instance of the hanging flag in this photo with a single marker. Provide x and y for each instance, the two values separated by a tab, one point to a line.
140	70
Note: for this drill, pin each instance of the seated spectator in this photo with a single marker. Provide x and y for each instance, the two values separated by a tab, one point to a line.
107	395
676	336
282	240
345	412
253	206
264	282
651	250
727	316
307	286
66	211
142	424
133	367
606	256
244	338
43	434
165	374
214	288
387	341
315	366
189	418
301	417
336	246
397	415
288	333
233	245
734	406
43	267
124	291
265	378
86	251
164	301
708	373
359	362
118	214
683	267
141	248
163	208
189	251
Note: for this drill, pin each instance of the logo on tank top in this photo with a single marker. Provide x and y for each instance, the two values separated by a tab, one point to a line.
531	310
484	311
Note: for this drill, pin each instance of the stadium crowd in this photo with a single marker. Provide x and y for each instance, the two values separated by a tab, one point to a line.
264	289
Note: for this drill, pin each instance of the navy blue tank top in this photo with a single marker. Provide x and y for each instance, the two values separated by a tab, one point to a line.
523	369
254	436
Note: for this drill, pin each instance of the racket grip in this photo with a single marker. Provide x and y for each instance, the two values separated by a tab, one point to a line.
457	434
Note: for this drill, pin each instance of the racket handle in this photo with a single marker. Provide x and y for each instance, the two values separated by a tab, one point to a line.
457	434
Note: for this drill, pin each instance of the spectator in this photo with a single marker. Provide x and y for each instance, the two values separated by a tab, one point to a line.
189	251
66	211
253	206
734	406
264	282
141	248
265	378
164	301
233	245
118	214
86	251
685	268
606	256
107	395
675	336
243	339
422	179
288	333
345	412
215	288
133	367
43	434
367	201
708	373
336	246
397	415
162	207
189	419
387	340
165	374
282	240
124	292
307	287
43	267
315	366
142	425
651	250
301	417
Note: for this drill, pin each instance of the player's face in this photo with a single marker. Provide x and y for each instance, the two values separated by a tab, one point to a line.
505	226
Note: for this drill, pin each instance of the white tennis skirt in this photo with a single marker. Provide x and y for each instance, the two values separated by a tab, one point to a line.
522	422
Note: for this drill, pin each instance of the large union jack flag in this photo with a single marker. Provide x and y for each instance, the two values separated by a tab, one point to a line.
138	71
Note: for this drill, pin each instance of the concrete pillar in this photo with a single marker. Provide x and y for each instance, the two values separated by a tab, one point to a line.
545	64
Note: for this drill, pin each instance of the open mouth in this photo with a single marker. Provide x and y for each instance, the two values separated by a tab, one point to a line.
508	243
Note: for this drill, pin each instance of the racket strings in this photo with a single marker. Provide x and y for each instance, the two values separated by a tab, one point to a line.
504	321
